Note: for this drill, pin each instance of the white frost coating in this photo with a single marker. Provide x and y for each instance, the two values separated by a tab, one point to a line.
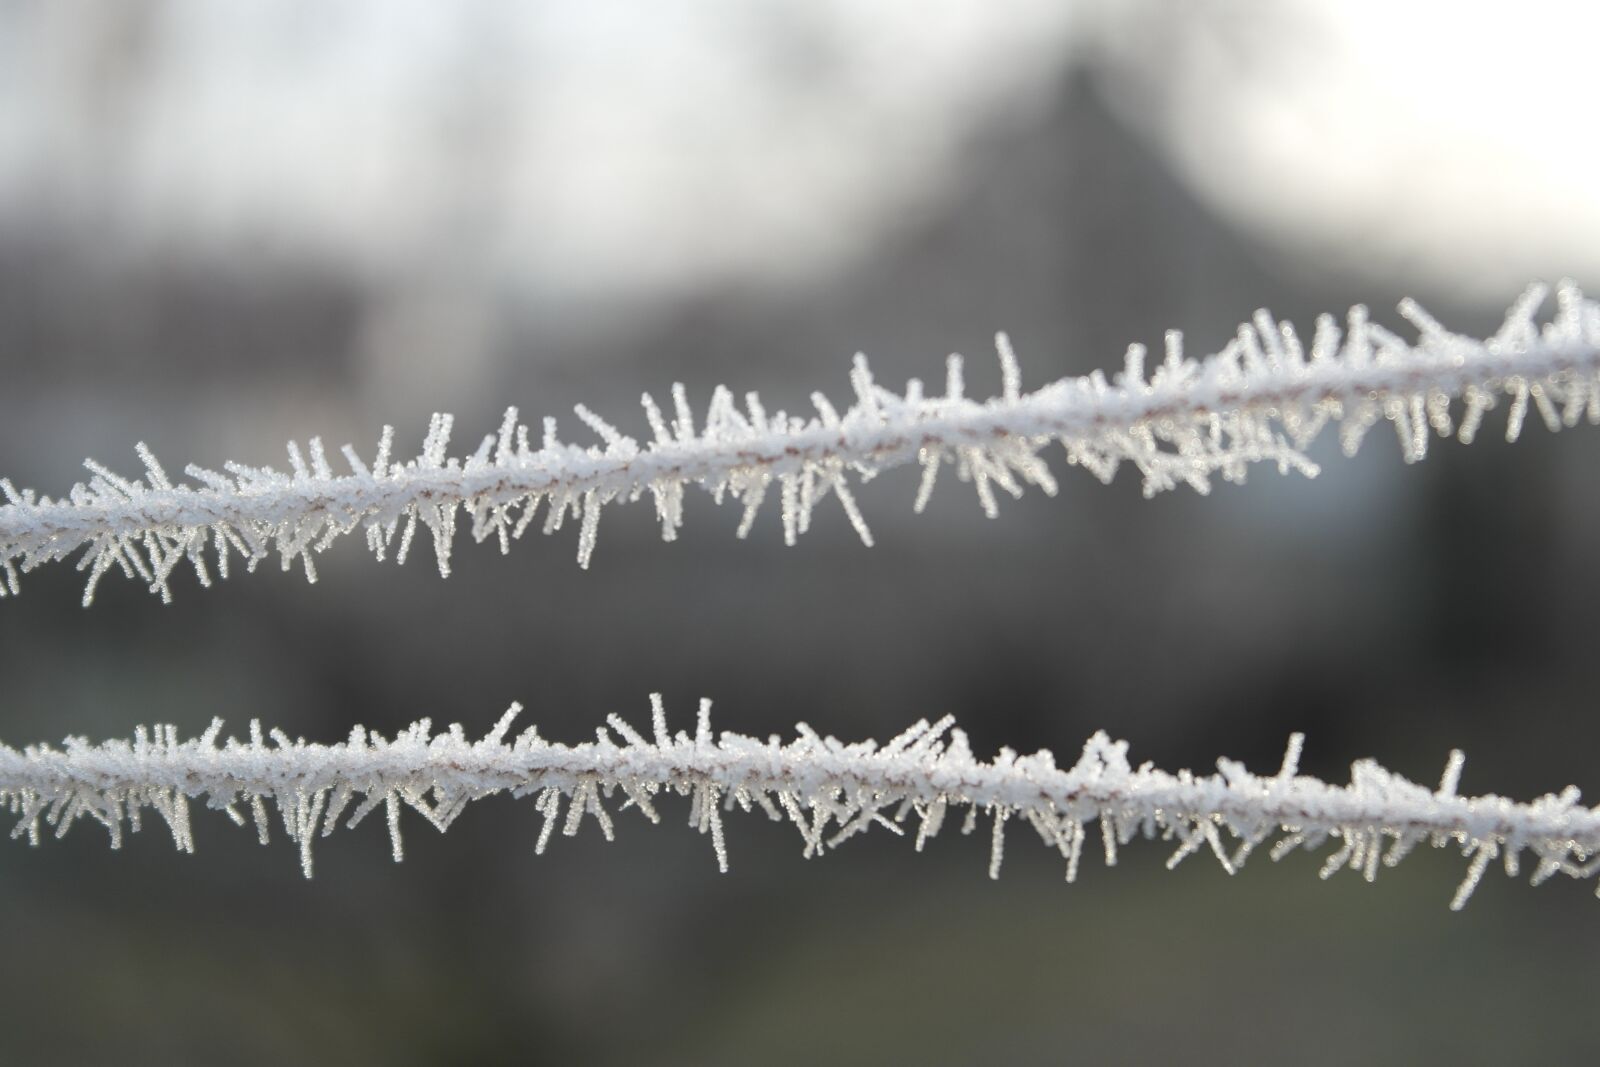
1263	398
829	790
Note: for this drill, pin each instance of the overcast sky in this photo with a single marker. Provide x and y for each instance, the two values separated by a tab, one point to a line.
602	149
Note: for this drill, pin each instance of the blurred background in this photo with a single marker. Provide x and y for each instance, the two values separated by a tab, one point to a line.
223	226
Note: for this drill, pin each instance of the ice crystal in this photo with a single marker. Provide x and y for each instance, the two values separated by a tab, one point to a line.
831	791
1263	398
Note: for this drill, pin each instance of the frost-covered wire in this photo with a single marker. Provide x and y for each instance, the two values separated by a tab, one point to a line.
829	790
1263	398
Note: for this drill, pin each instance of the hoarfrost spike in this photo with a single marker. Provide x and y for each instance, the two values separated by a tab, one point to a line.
829	790
1259	400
